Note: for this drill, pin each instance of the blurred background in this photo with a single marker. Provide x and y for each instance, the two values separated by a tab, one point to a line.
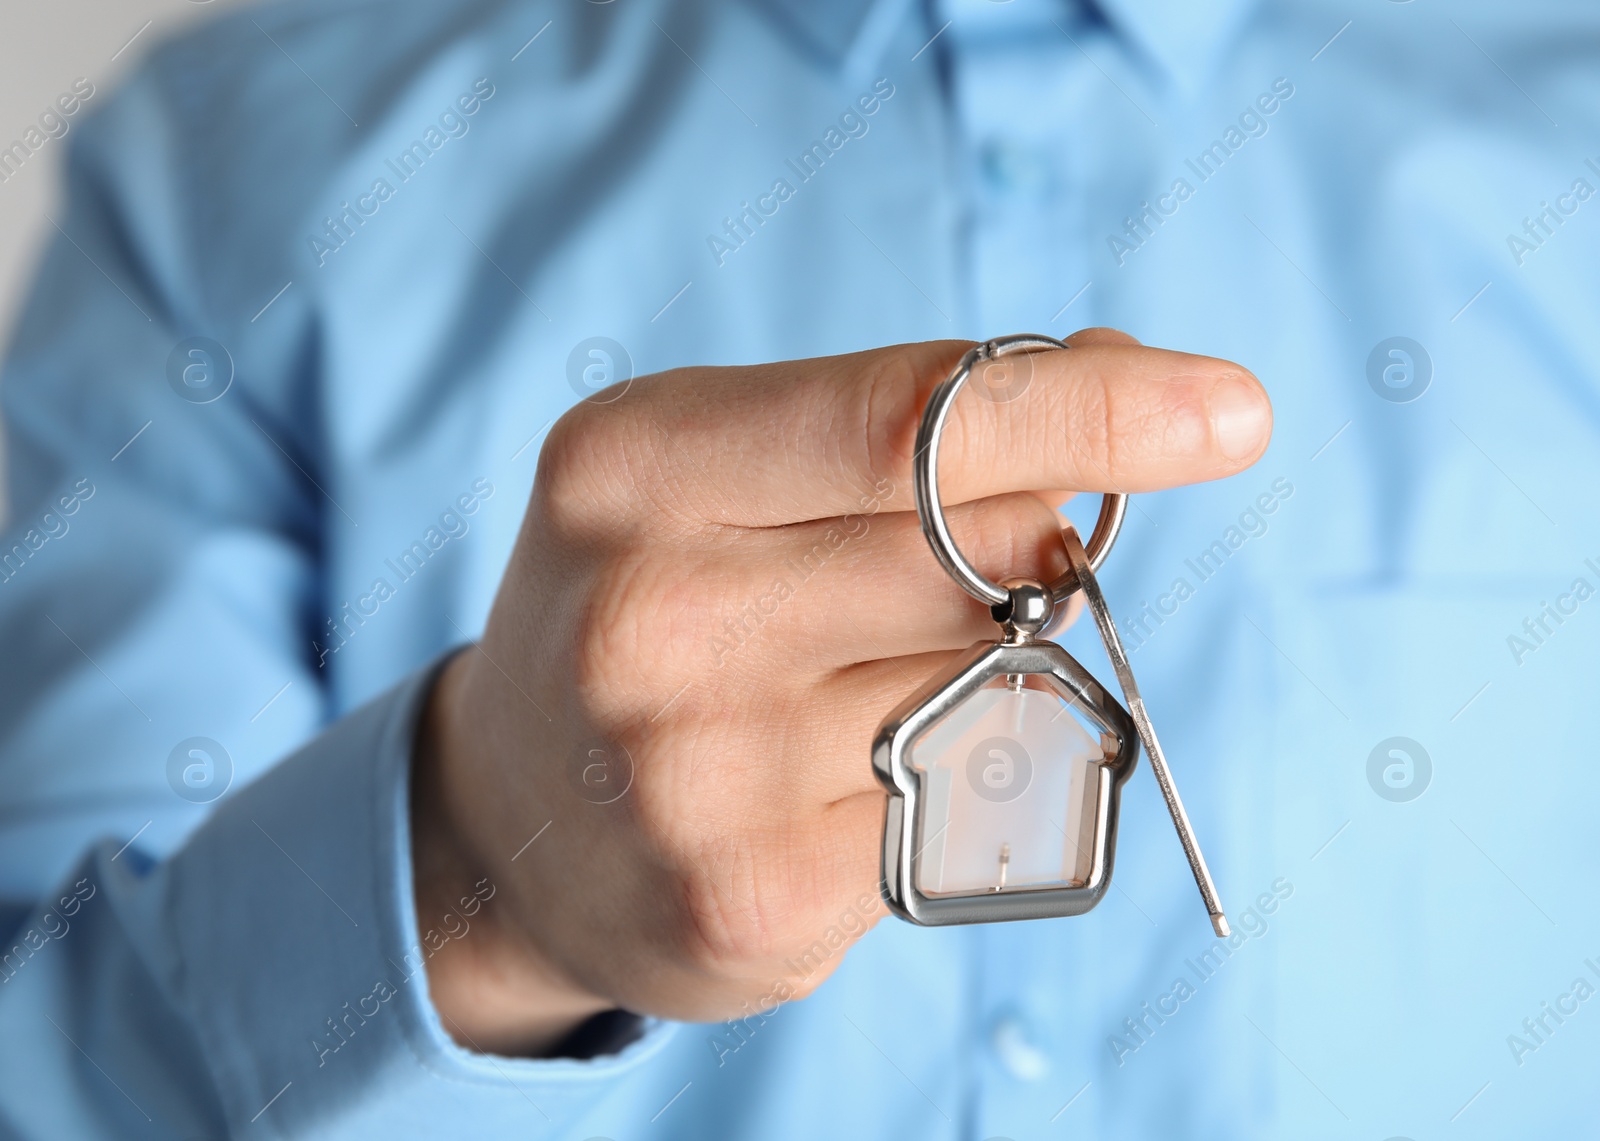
49	46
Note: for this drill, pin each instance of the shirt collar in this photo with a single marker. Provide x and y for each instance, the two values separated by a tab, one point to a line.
1181	38
843	33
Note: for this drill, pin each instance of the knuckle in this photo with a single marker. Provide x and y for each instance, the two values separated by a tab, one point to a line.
649	630
609	466
891	396
770	895
727	924
589	469
565	484
626	634
1010	533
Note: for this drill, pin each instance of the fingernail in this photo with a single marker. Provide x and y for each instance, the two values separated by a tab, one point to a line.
1240	418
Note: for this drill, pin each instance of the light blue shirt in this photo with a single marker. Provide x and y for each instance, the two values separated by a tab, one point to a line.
396	229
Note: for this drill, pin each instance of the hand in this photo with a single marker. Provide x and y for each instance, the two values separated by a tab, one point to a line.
719	590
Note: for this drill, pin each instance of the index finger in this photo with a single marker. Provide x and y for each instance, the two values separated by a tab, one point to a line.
800	440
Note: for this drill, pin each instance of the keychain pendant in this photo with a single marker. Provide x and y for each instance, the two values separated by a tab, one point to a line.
1005	770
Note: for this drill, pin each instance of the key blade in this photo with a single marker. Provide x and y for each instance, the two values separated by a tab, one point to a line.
1096	600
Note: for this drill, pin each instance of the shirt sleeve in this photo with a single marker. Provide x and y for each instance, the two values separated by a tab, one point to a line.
271	973
244	953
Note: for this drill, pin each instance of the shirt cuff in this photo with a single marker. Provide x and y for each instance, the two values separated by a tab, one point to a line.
297	957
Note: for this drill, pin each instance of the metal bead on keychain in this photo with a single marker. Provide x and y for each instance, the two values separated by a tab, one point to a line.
1005	770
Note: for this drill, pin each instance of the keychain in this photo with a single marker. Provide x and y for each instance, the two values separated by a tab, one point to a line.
1005	770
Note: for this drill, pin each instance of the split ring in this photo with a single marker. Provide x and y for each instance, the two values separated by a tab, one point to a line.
925	480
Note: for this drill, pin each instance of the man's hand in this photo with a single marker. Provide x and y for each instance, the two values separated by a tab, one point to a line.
719	590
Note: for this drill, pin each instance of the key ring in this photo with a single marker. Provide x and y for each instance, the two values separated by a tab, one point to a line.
925	482
962	841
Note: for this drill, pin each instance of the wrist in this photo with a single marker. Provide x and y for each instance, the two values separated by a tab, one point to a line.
494	990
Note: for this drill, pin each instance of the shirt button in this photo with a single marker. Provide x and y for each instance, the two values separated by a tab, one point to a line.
1011	168
1016	1050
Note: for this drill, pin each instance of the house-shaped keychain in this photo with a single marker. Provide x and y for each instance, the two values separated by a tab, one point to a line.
1005	770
